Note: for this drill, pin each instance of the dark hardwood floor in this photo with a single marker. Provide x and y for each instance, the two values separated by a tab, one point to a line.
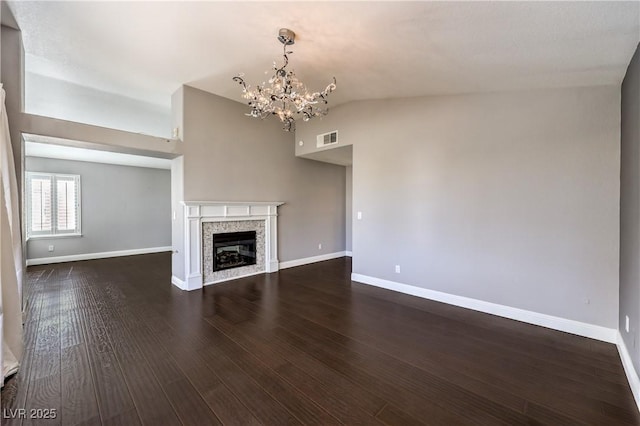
112	342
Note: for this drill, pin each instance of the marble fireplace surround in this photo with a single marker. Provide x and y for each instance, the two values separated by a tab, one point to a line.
238	215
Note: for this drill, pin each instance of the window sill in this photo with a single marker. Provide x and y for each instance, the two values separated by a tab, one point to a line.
51	236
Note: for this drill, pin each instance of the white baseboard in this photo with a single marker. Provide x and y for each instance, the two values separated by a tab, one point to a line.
194	282
272	266
348	253
178	282
313	259
557	323
630	371
91	256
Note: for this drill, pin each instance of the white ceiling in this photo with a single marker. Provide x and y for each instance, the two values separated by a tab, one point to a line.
146	50
42	146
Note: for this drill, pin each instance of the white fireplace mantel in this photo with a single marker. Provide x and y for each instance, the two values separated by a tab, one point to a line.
198	212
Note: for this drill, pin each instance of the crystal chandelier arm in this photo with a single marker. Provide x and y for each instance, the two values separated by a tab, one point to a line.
288	124
240	80
330	88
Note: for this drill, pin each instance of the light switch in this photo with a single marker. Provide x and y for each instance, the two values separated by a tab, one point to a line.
359	215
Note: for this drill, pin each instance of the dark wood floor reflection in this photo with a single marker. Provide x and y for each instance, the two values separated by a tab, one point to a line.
113	342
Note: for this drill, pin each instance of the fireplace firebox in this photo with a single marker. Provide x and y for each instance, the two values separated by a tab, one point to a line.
233	250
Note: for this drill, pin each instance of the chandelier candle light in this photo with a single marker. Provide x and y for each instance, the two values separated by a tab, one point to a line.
284	95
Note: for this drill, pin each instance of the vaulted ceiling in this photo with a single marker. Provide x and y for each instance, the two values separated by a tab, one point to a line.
146	50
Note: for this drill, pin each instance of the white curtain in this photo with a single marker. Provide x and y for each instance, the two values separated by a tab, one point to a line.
11	264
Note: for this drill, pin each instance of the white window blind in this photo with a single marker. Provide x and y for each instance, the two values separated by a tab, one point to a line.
66	205
40	204
53	204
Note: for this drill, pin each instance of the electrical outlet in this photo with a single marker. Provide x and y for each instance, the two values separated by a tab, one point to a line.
51	247
320	246
626	323
397	269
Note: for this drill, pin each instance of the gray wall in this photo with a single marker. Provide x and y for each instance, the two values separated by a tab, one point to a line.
348	206
630	210
177	190
231	157
12	81
177	214
511	198
123	208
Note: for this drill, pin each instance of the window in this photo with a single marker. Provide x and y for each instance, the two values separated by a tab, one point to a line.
53	204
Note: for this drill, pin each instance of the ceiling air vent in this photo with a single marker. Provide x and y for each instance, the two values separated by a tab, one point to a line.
330	138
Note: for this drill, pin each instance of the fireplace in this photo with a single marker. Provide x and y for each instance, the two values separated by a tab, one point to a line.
203	219
234	250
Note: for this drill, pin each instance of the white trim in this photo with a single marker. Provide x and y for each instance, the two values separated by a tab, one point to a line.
348	253
232	203
53	236
178	282
313	259
632	374
194	282
557	323
272	266
91	256
232	219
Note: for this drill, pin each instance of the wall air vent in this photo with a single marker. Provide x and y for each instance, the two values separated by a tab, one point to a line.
325	139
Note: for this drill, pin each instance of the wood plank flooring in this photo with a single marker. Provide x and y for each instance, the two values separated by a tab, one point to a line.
112	342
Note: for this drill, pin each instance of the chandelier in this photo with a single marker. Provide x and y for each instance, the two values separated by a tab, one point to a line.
284	95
